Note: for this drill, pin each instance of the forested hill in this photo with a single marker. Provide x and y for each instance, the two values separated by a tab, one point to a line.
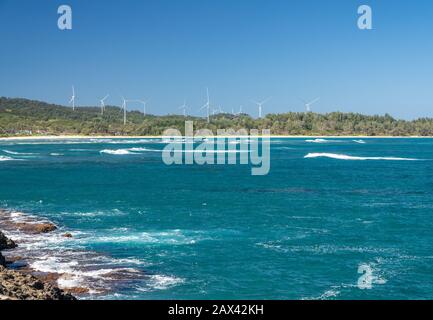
20	117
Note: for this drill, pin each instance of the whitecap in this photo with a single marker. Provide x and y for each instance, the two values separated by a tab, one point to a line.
321	141
347	157
18	153
143	150
3	158
117	152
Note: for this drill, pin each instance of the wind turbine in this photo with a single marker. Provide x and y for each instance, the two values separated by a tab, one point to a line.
260	105
309	104
73	98
183	108
103	103
124	105
144	103
240	110
207	106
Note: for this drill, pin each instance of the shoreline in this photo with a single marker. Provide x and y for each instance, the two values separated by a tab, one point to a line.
46	252
78	137
22	283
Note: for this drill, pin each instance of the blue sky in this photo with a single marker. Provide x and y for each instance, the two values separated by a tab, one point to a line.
171	50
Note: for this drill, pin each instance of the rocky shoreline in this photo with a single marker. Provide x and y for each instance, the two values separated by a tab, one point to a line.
56	256
17	285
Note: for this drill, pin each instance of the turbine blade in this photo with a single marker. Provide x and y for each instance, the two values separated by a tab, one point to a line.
266	100
314	101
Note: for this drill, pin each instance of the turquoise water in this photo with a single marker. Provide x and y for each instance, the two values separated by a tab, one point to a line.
216	232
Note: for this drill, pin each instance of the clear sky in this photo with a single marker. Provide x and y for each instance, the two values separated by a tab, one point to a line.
171	50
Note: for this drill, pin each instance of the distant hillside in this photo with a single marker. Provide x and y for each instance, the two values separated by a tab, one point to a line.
20	117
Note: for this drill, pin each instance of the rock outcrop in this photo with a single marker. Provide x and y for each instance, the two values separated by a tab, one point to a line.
2	260
6	243
36	227
18	286
15	285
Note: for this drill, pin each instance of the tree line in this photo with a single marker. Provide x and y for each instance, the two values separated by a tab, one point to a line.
20	117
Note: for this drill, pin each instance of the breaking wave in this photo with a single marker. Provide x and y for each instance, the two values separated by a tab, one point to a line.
347	157
127	151
118	152
3	158
322	141
67	262
18	153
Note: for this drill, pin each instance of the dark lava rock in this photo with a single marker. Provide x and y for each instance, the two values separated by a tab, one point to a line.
6	243
2	260
18	286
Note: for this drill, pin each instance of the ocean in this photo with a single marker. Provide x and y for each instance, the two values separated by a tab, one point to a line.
337	218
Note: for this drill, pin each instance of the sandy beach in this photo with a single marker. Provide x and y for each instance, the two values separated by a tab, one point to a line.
63	137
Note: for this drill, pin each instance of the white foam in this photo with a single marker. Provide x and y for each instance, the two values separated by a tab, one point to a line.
347	157
77	267
117	152
359	141
3	158
171	237
321	141
68	282
50	264
329	294
162	282
143	150
104	213
18	153
284	148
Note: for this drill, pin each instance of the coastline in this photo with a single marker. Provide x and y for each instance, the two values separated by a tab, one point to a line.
78	137
22	284
52	255
18	280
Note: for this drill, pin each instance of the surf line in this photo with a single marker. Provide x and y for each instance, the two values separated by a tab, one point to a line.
221	149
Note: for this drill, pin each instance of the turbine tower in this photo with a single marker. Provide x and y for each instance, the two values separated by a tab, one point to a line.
103	103
183	108
124	106
144	103
240	110
207	106
309	104
73	98
260	105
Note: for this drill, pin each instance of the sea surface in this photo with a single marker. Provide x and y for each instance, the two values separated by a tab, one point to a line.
335	218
